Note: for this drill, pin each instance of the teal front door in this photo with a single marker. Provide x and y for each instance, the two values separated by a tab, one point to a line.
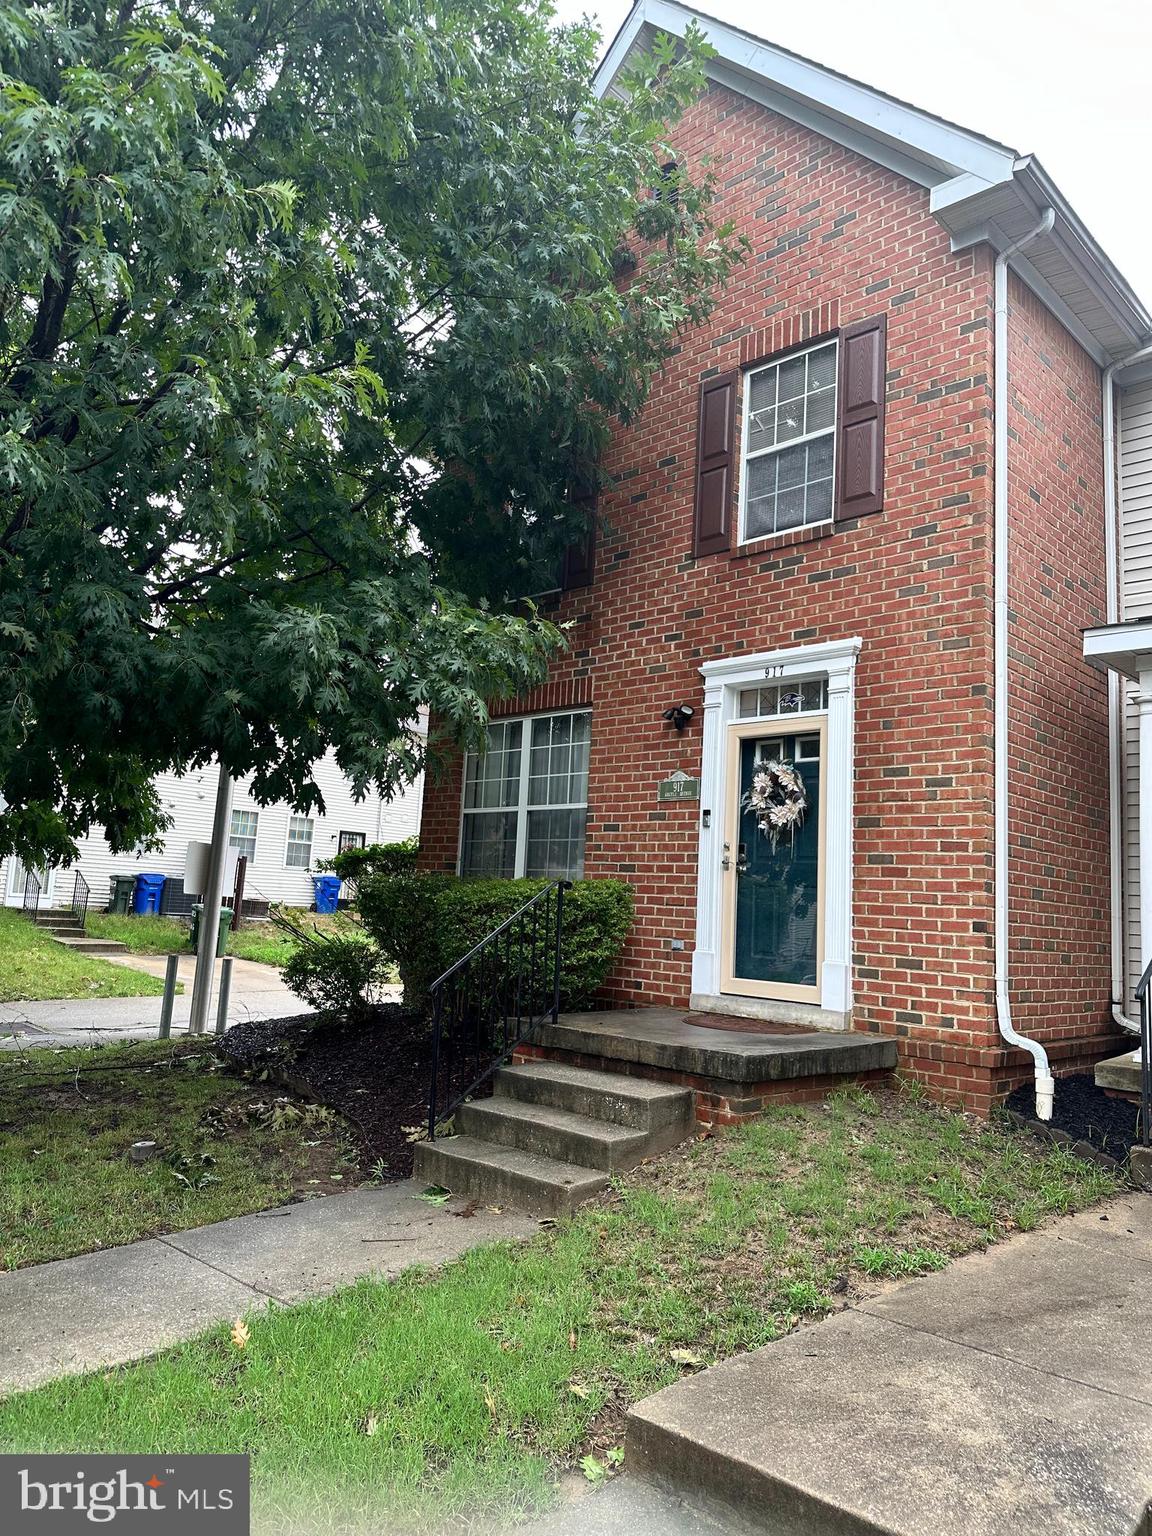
775	931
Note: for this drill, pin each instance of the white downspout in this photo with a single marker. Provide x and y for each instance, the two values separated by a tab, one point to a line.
1045	1087
1115	688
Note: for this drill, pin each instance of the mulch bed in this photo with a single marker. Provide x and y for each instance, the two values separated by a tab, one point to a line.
1082	1113
376	1076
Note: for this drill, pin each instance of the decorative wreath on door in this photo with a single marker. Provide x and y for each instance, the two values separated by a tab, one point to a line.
777	799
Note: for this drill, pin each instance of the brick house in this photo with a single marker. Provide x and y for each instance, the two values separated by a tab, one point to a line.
858	530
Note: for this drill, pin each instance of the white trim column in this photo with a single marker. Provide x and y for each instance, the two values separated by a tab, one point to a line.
834	660
1144	717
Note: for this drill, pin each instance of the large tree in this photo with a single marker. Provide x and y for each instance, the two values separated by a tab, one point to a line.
312	315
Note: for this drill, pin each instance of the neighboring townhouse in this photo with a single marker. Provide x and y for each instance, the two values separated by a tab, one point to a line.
282	846
857	531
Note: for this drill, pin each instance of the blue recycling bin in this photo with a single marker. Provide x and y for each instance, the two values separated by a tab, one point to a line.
327	888
146	896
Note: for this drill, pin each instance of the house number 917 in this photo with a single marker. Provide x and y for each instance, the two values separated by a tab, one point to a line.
776	671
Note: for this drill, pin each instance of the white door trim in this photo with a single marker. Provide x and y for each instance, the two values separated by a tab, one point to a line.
723	680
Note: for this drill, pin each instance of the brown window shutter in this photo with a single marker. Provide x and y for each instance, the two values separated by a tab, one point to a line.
715	451
860	411
579	561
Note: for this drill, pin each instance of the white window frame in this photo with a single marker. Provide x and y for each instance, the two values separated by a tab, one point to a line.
522	806
793	442
291	842
245	810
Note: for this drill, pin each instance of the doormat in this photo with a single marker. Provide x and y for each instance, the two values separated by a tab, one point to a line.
744	1026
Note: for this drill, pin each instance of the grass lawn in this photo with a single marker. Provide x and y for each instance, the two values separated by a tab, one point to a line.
227	1146
463	1395
162	935
33	967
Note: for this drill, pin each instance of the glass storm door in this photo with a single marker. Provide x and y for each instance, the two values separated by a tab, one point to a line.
775	895
14	894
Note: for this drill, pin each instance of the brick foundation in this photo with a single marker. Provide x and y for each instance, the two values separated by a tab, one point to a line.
716	1102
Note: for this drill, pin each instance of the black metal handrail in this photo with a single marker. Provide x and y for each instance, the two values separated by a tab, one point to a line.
1145	1002
493	998
80	895
31	893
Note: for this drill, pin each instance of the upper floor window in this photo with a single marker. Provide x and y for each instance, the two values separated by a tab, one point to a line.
242	833
526	799
298	853
789	444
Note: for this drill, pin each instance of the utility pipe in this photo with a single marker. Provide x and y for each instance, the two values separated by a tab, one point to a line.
1115	688
1045	1086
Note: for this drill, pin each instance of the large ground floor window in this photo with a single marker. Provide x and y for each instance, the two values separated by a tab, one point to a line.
526	799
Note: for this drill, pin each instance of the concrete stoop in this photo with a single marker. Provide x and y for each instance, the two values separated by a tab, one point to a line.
551	1136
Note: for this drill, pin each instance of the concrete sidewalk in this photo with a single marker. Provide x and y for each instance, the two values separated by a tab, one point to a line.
257	993
1011	1392
105	1308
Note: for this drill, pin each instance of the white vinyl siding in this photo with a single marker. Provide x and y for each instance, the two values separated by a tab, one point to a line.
1135	500
525	802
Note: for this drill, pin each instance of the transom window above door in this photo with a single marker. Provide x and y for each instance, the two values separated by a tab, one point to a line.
789	443
784	698
526	799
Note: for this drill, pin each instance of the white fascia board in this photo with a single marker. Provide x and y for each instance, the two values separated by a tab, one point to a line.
838	132
1125	647
940	149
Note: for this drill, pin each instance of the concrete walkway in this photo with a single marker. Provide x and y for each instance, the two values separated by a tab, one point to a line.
1010	1393
257	993
105	1308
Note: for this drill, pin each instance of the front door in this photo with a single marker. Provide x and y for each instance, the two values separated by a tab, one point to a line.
774	862
17	876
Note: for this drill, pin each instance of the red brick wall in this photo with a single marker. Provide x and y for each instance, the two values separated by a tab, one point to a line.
1058	723
835	239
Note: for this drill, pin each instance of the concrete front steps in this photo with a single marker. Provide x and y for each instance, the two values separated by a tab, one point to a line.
552	1135
69	931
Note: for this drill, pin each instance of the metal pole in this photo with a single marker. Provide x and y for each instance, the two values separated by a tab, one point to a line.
169	1000
210	915
225	989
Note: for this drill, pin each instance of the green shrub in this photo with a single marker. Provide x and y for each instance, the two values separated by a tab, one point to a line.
376	859
338	974
424	923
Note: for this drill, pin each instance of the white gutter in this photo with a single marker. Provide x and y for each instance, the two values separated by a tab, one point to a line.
1115	688
1045	1086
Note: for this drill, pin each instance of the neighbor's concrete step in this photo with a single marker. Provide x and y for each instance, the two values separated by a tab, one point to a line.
506	1175
556	1133
93	946
629	1101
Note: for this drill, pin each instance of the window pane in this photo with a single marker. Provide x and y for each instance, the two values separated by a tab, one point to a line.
761	415
299	851
821	407
492	781
822	368
555	845
242	833
489	845
789	489
558	770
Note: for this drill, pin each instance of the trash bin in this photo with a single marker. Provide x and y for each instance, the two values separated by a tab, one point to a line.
327	888
146	897
221	932
120	893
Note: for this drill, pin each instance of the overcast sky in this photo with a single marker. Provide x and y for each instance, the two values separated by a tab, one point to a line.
1071	84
